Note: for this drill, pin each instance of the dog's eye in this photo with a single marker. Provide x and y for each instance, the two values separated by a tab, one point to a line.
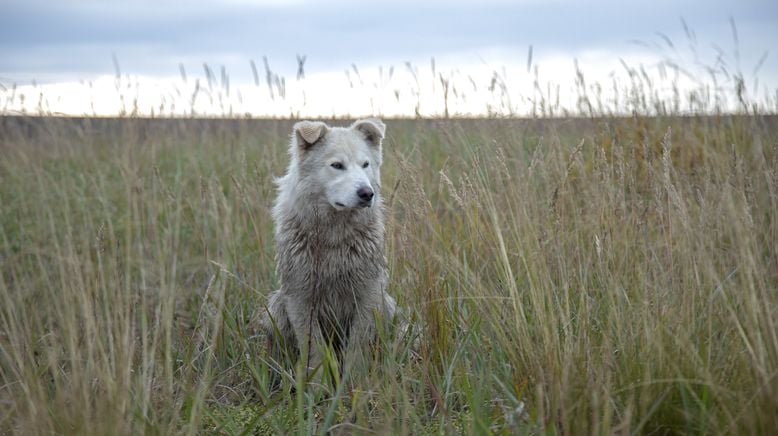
337	165
365	165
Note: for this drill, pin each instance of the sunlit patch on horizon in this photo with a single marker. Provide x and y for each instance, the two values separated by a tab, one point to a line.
543	85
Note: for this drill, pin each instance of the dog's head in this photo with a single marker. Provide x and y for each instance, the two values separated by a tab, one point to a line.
344	162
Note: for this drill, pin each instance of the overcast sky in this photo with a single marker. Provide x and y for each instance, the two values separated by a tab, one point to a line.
51	41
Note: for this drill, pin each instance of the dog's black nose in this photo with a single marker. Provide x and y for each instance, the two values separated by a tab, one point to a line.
365	193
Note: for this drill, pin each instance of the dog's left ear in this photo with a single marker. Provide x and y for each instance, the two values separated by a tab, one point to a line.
372	128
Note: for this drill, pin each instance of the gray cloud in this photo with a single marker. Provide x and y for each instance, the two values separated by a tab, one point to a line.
51	41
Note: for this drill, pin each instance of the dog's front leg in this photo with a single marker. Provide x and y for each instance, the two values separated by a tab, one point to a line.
362	337
309	338
278	331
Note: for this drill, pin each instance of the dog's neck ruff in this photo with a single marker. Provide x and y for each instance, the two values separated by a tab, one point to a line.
313	222
327	252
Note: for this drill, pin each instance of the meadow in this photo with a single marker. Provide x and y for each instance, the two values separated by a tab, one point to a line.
590	275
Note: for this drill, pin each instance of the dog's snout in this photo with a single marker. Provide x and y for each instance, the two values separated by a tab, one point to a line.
365	193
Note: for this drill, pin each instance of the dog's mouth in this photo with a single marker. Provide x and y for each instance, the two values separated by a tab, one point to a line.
360	205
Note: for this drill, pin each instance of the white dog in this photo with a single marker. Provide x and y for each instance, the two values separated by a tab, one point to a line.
329	229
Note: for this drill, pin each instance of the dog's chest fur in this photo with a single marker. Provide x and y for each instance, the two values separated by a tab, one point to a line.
332	262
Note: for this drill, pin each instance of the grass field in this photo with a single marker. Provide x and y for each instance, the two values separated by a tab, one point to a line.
574	276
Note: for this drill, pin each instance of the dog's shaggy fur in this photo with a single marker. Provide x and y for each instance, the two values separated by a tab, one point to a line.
330	239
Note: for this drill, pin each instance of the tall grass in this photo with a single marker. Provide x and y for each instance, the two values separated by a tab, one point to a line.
610	275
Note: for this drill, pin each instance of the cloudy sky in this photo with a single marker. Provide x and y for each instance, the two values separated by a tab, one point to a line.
60	43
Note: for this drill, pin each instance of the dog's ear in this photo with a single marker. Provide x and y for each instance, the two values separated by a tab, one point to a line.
308	133
372	128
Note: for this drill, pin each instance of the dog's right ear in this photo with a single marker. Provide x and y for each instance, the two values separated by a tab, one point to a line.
308	133
372	128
